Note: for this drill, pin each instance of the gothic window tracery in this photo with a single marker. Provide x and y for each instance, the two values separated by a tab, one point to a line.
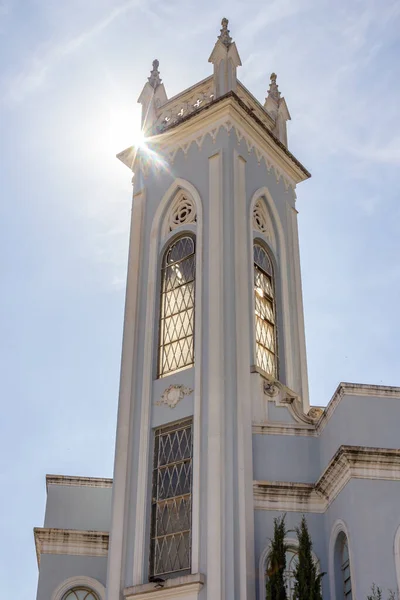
260	217
80	593
264	312
171	500
182	212
176	339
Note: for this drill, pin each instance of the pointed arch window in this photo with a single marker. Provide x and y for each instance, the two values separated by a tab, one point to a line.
176	342
264	312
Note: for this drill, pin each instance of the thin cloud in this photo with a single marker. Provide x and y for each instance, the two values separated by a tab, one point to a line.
34	74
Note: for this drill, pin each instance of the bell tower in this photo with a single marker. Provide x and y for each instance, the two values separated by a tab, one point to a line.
213	323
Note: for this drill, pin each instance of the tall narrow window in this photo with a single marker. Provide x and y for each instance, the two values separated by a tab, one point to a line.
176	347
264	304
345	565
172	500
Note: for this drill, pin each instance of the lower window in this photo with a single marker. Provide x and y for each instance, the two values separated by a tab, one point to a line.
171	515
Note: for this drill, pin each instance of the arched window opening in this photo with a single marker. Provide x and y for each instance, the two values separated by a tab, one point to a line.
292	560
176	343
345	567
264	312
80	593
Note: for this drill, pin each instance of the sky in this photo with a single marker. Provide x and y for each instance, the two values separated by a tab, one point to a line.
70	75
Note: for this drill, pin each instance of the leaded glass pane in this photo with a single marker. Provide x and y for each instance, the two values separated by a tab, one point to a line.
80	594
176	345
264	307
172	499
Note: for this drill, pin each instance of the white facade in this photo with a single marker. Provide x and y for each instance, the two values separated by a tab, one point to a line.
214	357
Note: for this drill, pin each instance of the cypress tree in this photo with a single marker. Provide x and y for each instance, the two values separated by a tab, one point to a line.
307	580
275	587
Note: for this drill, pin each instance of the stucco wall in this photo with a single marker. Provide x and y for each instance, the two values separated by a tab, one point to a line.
55	569
78	507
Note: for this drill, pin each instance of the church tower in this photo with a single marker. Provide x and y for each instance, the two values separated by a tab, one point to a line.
213	318
215	434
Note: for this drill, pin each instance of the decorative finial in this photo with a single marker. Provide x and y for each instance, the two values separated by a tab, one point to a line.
273	91
224	35
154	79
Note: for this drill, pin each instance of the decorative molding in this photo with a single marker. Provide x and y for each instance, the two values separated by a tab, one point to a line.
181	212
279	428
283	396
261	218
355	389
174	394
79	581
186	587
70	480
349	462
70	541
212	130
317	418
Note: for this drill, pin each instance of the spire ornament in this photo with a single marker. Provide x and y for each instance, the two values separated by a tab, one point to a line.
154	79
273	91
224	35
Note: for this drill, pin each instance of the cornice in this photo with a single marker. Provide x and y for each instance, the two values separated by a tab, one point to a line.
70	541
185	587
230	111
280	428
349	462
355	389
70	480
316	429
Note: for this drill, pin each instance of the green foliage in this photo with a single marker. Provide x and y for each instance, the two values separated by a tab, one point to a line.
307	580
376	593
275	587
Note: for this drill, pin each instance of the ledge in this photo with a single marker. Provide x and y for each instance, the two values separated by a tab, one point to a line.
70	480
70	541
349	462
315	430
186	587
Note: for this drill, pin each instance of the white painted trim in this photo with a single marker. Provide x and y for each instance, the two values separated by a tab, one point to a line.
186	587
142	508
397	555
243	383
283	278
340	527
293	545
230	114
78	581
344	389
70	541
349	462
355	389
122	471
300	326
215	352
71	480
277	428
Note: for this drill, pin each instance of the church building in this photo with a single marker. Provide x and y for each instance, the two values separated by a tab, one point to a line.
216	436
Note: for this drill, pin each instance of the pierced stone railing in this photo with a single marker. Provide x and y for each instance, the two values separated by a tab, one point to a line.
182	105
254	105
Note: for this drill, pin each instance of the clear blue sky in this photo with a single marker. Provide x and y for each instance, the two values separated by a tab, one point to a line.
70	74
